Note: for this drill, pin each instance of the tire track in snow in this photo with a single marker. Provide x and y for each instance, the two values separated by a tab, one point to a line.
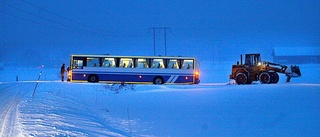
10	95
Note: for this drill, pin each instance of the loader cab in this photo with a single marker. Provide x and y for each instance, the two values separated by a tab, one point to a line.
252	60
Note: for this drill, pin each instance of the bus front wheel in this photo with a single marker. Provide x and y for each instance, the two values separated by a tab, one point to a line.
93	78
158	80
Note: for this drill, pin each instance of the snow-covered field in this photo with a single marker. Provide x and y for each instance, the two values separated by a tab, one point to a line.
212	108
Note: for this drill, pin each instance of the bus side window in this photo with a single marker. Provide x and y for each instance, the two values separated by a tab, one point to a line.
173	64
126	63
158	63
93	62
77	64
187	64
145	65
142	63
108	62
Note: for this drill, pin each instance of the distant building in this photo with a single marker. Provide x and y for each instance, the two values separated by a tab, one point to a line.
296	55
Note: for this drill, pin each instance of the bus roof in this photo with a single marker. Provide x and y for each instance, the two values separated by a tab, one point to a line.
118	56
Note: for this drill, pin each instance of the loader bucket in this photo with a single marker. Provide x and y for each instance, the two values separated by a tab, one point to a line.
293	71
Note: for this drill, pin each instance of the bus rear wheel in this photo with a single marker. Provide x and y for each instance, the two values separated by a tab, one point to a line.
158	80
93	78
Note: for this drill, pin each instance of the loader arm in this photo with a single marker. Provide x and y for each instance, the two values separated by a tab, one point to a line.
292	71
275	67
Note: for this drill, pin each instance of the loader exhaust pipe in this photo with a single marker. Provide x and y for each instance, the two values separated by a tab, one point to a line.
241	59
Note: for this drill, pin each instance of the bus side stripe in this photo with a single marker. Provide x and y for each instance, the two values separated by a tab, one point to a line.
170	79
175	78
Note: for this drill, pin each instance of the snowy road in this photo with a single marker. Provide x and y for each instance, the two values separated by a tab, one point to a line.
212	109
10	96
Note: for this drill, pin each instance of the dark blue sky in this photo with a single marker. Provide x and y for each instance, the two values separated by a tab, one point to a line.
48	31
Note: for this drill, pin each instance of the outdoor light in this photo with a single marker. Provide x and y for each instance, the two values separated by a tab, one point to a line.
259	63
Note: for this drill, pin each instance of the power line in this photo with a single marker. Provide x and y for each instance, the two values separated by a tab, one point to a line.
52	21
65	18
58	23
35	21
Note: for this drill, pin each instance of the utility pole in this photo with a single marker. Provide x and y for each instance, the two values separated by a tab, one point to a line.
165	39
154	40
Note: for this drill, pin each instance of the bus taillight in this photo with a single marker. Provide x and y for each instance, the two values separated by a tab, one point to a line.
197	73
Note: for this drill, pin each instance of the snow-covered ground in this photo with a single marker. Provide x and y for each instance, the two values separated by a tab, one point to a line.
212	108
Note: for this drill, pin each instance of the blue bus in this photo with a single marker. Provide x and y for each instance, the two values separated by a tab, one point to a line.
134	69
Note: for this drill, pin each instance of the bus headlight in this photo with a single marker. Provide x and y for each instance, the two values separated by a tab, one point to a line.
69	75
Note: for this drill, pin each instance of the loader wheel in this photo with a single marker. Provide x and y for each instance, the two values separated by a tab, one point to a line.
274	77
264	78
241	78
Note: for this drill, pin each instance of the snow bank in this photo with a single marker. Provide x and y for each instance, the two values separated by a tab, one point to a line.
84	109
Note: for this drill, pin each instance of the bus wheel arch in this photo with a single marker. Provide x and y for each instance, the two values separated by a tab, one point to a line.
158	80
93	78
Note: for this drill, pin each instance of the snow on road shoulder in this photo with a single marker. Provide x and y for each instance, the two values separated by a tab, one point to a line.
62	109
10	96
87	109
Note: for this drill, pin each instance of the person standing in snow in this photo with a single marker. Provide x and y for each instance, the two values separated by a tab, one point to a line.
62	71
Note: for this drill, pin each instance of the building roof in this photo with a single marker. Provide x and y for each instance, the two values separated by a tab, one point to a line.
296	51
